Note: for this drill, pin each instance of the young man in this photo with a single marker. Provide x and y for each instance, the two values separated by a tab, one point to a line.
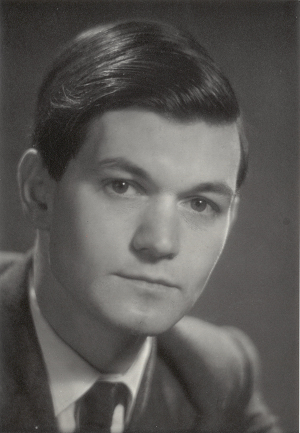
132	186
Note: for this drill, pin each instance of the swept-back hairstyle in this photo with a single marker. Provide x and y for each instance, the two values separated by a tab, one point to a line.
132	63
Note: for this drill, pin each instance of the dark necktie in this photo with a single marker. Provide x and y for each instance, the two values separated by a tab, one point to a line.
96	407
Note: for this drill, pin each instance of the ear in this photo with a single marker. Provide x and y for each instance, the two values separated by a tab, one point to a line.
234	211
36	189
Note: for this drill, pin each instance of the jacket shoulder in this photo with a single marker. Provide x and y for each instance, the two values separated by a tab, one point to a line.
8	259
14	268
218	368
210	356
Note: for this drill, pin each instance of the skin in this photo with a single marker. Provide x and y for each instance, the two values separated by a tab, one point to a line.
131	233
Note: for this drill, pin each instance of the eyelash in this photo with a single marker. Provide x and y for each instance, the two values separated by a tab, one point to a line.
113	182
213	206
110	183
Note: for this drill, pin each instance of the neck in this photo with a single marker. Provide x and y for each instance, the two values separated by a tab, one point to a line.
109	349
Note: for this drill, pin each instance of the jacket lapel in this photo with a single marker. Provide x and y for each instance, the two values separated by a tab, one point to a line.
162	402
26	403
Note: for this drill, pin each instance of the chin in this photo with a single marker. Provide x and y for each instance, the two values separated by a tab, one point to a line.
150	326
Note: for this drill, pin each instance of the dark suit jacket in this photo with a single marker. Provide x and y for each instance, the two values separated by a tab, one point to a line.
200	378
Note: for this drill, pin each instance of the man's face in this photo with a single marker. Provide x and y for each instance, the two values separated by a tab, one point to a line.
141	216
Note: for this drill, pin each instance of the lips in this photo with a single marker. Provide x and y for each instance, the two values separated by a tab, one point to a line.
149	280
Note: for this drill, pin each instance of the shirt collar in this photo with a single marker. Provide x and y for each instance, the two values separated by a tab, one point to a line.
70	376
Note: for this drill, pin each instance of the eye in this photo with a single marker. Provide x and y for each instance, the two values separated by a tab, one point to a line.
199	205
120	186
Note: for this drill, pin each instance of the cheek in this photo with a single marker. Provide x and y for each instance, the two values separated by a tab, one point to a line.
88	231
202	250
101	230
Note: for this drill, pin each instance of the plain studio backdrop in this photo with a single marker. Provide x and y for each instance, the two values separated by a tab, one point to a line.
254	286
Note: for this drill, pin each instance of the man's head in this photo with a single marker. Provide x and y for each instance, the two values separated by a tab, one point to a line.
132	186
129	64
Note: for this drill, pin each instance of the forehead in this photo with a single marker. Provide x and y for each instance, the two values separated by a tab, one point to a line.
191	151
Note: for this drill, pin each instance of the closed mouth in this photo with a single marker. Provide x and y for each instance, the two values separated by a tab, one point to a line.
154	281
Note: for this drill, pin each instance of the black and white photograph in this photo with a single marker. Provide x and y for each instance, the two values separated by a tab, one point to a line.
149	217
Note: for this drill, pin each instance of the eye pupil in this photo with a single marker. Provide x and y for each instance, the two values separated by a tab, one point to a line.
120	186
198	204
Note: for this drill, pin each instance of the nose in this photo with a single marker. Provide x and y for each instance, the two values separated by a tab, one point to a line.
157	235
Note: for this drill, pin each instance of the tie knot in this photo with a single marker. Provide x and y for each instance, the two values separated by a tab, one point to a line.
97	406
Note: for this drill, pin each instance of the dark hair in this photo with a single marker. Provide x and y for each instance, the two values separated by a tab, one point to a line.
131	63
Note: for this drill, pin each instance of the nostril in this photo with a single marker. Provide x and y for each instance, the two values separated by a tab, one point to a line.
154	247
151	255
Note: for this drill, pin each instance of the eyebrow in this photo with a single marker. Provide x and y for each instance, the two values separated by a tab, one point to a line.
123	164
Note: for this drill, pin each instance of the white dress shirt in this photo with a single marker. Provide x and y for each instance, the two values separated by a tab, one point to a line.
70	376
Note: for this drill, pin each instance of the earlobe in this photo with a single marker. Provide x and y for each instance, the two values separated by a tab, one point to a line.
36	189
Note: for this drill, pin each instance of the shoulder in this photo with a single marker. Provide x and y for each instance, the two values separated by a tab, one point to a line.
215	364
218	369
14	268
219	349
8	259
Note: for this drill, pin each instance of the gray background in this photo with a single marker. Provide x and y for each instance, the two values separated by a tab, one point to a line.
255	284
